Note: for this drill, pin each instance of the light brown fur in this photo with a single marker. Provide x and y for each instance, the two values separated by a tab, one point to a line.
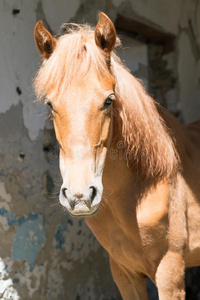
149	216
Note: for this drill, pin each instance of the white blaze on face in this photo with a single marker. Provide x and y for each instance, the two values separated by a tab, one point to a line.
78	139
79	146
81	166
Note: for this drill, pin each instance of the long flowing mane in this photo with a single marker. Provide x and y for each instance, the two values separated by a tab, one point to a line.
141	127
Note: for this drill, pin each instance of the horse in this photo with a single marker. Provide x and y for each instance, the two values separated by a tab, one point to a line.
129	167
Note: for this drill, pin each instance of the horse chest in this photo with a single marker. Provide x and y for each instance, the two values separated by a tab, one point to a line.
132	234
124	250
111	235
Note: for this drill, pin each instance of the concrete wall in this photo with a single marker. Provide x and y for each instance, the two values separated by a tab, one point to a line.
44	253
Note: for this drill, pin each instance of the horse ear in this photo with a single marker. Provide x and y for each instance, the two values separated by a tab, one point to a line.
105	33
44	40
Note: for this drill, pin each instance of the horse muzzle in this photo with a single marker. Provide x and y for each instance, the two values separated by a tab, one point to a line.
80	204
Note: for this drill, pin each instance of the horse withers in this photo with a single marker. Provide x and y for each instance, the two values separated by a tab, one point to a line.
127	165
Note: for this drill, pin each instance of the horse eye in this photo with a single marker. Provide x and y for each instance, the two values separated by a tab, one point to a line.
50	105
108	102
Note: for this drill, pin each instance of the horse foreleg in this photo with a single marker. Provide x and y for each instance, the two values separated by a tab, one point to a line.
170	277
130	288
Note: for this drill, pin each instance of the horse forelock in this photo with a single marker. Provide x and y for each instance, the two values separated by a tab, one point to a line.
145	135
74	55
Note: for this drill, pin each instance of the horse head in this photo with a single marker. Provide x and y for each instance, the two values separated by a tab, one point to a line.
79	89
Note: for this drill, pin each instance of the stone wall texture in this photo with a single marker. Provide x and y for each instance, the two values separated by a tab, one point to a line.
44	253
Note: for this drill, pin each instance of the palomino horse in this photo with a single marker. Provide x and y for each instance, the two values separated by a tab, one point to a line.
127	165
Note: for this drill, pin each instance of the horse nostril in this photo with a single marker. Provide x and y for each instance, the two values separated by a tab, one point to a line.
64	192
92	192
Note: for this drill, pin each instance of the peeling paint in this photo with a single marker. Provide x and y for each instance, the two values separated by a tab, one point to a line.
29	238
20	61
55	256
75	246
3	193
7	291
11	220
60	238
7	218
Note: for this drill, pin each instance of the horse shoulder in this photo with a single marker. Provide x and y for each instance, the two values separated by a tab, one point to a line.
153	208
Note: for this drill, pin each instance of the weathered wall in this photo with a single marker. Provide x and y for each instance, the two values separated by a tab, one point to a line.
44	253
176	73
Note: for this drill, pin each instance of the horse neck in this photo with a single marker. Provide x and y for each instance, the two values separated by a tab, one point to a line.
124	168
118	174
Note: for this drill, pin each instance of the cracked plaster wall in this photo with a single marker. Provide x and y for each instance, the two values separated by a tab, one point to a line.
44	253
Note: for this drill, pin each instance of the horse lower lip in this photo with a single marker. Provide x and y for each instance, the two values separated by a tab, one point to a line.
80	211
80	207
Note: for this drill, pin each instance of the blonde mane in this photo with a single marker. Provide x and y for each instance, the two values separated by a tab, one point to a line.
75	52
143	130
